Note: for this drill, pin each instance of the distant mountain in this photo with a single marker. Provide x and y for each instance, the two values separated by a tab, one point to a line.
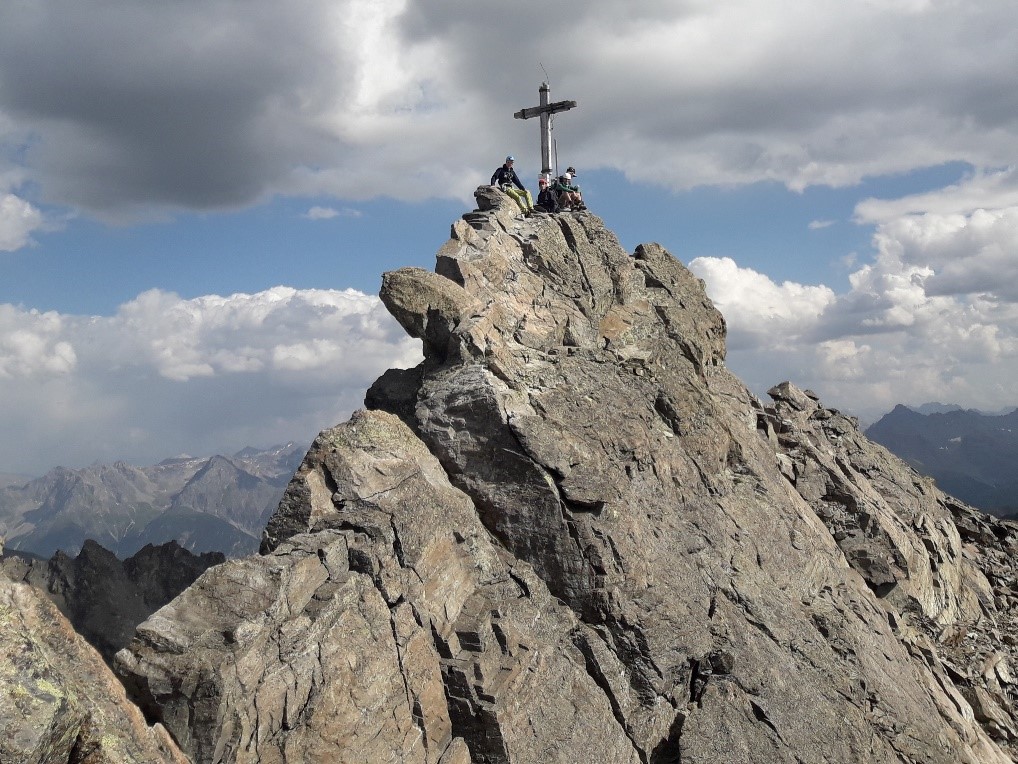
937	408
970	454
206	504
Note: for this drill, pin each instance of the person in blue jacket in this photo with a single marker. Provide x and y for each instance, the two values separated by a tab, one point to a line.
505	178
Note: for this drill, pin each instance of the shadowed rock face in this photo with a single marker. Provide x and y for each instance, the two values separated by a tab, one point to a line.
572	535
105	598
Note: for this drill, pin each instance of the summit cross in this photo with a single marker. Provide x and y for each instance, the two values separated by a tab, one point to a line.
544	111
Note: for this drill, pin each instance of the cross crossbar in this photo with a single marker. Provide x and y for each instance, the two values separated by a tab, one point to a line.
537	111
544	111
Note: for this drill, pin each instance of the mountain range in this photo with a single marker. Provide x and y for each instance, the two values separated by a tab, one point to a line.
208	504
971	454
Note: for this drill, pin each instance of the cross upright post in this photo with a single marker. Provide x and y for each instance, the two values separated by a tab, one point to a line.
544	111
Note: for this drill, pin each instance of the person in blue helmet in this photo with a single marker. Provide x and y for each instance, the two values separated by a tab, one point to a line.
505	178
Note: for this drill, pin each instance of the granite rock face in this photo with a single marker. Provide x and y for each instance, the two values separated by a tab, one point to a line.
382	625
571	534
949	571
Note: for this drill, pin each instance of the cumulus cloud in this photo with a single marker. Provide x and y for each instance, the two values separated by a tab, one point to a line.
209	374
957	241
32	344
18	219
983	189
123	107
934	316
756	308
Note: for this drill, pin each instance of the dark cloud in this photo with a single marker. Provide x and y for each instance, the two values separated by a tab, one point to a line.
168	103
123	105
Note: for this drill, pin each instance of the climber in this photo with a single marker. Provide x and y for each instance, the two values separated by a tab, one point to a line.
505	177
547	200
568	194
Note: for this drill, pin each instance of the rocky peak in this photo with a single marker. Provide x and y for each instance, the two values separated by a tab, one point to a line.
506	289
571	534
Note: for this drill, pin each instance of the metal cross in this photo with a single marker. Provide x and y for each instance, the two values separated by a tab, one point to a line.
544	111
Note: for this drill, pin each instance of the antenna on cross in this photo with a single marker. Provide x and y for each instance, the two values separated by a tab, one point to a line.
544	111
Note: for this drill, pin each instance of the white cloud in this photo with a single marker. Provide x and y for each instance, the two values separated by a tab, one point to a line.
18	219
965	236
817	225
327	213
32	345
984	189
202	375
758	310
934	316
321	213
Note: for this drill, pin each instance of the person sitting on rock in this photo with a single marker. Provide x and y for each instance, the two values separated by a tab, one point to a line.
568	195
505	178
547	199
571	174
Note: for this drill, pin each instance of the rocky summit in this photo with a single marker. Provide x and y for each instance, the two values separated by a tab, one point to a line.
572	535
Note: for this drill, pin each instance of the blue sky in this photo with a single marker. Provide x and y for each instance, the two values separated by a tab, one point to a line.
92	267
197	202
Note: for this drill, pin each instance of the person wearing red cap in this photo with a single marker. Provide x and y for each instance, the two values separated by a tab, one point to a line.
547	200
